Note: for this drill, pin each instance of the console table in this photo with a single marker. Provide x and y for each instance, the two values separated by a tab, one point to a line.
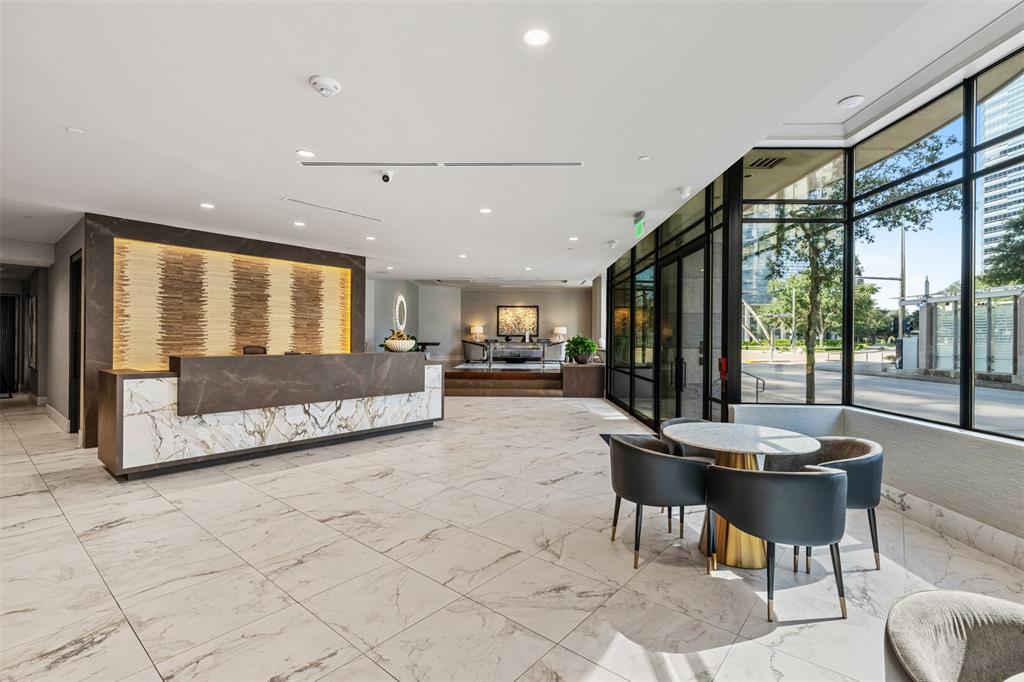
515	351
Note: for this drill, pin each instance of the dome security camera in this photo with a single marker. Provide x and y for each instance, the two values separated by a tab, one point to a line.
387	176
325	85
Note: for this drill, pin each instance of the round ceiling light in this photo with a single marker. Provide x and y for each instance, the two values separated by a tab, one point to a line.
390	267
76	131
536	37
574	239
206	205
643	158
851	102
299	223
527	268
304	153
485	211
462	255
370	238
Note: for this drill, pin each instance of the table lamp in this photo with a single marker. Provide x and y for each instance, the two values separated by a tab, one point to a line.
476	330
560	332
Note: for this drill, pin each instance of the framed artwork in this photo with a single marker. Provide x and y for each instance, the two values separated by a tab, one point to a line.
32	339
516	320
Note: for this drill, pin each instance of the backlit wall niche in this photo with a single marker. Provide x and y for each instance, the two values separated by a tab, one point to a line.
174	300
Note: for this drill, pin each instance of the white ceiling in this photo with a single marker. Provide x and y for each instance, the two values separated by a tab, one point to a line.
189	102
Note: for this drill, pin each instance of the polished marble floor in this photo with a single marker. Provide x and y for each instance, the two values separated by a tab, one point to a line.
475	550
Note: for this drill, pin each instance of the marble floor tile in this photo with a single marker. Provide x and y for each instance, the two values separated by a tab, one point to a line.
641	640
463	508
288	645
175	622
361	669
466	477
100	648
572	508
463	561
748	660
462	641
594	555
509	490
309	570
525	530
379	604
545	598
397	532
420	464
415	492
277	537
560	665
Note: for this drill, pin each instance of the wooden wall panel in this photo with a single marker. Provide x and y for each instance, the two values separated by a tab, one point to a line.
174	300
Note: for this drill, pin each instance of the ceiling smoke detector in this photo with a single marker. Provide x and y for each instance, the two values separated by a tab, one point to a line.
325	85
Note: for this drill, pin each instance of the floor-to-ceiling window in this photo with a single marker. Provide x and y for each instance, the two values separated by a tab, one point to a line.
888	275
792	297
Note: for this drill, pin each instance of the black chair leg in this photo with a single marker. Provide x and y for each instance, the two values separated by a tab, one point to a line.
807	566
837	568
874	537
615	516
681	511
796	557
709	535
670	519
636	545
771	580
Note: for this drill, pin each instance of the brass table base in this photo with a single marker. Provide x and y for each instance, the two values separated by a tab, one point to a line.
733	547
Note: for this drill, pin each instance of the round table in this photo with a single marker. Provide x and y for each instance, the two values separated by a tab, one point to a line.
737	446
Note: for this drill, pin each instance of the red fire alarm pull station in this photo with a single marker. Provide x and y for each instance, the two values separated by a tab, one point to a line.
722	369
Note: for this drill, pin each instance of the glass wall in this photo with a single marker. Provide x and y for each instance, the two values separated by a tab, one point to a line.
792	297
897	288
999	249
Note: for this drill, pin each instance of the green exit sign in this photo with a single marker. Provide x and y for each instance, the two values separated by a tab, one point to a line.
639	221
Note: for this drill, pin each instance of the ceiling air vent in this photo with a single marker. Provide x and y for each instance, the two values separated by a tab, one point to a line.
765	162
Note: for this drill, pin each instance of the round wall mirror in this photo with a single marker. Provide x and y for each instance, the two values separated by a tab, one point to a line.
400	313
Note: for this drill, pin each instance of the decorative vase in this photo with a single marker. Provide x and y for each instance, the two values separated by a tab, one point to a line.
582	358
399	345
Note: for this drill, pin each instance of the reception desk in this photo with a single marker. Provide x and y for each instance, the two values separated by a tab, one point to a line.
223	406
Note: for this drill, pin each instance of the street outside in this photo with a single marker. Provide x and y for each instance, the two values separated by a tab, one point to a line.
998	410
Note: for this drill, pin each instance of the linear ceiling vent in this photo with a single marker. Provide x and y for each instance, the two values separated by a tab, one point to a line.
765	162
330	208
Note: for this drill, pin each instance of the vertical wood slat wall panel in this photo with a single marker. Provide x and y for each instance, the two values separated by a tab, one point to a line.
172	300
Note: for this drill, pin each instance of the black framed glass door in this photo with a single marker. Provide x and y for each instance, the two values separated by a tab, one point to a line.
681	332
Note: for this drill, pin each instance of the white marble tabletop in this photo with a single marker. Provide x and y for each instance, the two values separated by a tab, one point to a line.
742	438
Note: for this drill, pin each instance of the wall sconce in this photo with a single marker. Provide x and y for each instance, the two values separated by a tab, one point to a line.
476	330
560	333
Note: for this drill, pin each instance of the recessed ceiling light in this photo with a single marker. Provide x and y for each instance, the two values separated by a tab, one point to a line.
485	210
643	158
299	223
369	238
536	37
206	204
304	153
76	131
574	239
527	268
462	255
851	102
390	267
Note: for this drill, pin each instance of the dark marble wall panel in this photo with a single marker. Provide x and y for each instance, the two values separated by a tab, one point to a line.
100	232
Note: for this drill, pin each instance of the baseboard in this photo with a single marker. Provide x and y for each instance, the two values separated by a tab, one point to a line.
58	419
37	399
984	538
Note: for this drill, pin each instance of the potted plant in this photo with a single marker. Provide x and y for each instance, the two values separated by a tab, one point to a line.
580	348
399	342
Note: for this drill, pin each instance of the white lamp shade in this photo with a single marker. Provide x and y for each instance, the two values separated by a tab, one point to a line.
476	329
561	330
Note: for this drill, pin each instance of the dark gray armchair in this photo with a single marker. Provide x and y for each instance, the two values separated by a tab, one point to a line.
807	507
674	447
862	460
474	351
645	473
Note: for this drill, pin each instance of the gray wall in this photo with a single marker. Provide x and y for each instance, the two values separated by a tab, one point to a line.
385	291
558	307
440	309
368	320
57	317
38	285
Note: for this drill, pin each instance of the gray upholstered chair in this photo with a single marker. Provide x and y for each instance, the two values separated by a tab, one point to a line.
951	635
861	459
674	447
644	472
474	351
805	507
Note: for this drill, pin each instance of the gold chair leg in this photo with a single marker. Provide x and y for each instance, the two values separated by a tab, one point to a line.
808	564
771	611
709	565
842	605
714	561
670	522
613	533
878	562
796	558
636	559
